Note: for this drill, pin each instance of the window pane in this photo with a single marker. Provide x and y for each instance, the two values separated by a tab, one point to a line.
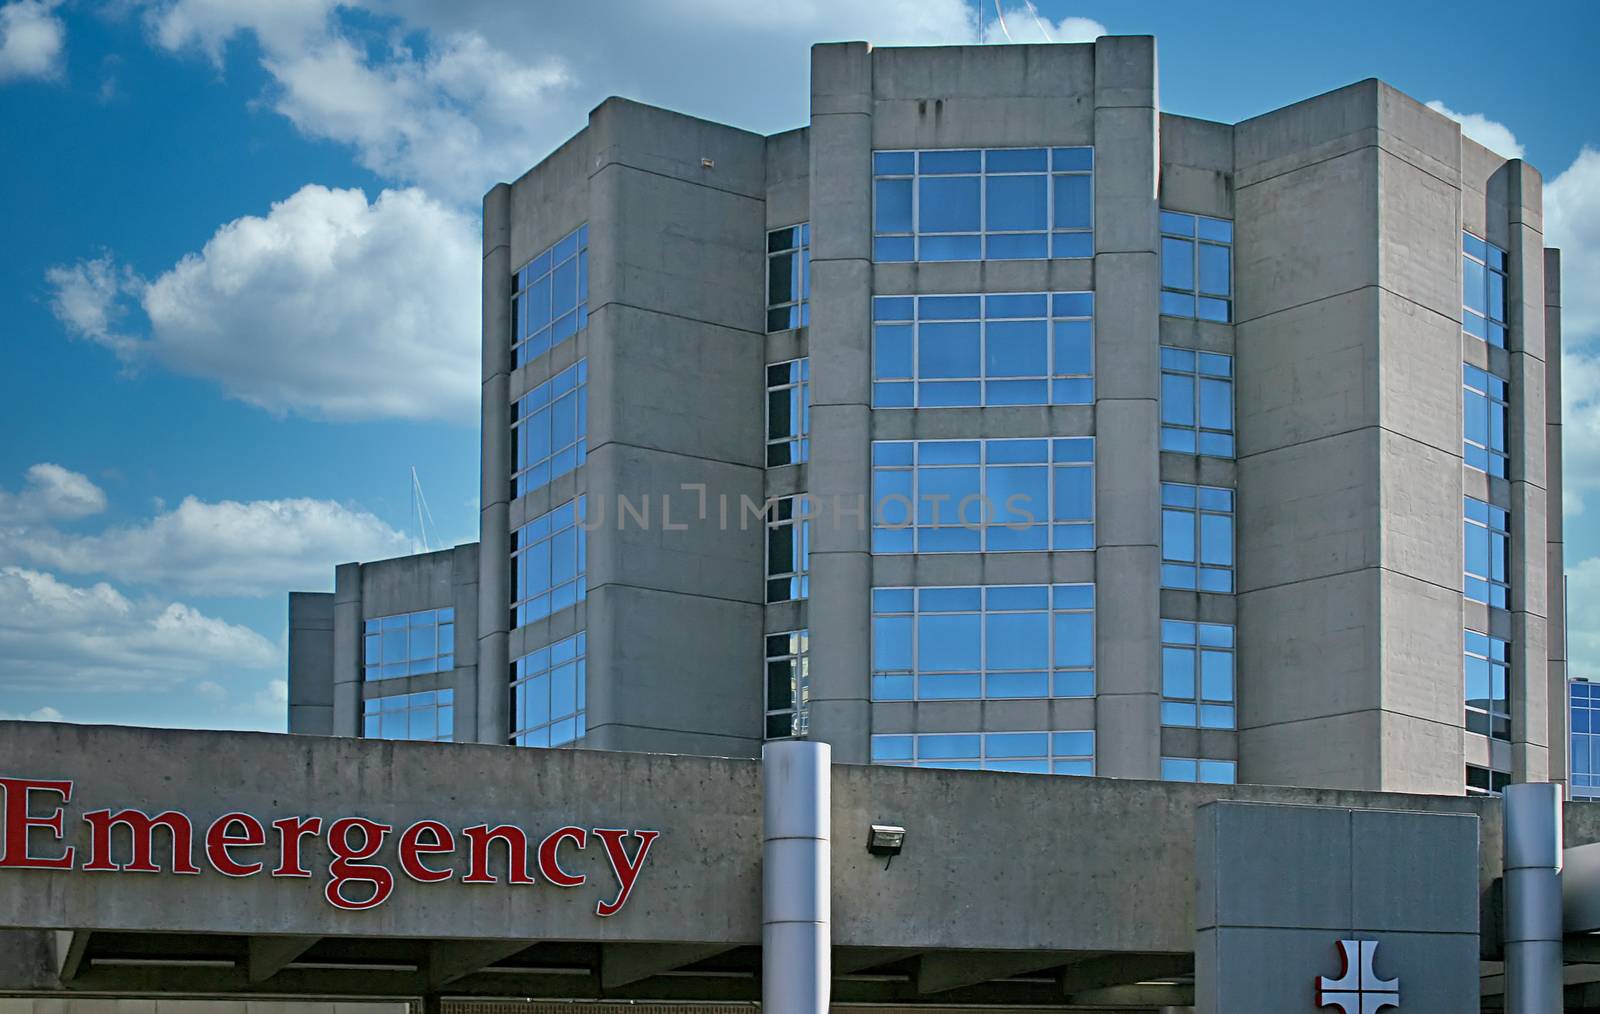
1074	202
1177	263
1016	203
947	642
949	204
893	209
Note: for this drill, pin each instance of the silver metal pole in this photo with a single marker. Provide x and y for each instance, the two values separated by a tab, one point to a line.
1532	883
796	877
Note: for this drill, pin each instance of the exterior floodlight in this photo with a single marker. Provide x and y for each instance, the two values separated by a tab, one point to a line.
886	840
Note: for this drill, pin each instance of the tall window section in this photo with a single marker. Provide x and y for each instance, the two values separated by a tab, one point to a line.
549	437
1030	348
1196	537
993	496
548	563
550	298
789	549
1483	290
1487	670
1197	666
1483	420
1196	266
548	691
994	204
409	644
1486	536
428	716
1585	698
789	277
1041	753
789	412
995	642
788	684
1190	769
1196	402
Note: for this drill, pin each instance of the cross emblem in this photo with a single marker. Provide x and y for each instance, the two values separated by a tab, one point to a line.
1357	988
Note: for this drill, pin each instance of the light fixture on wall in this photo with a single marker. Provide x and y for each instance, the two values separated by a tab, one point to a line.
886	840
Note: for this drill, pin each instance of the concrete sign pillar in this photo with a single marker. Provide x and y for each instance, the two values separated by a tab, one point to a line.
1305	909
796	880
1533	898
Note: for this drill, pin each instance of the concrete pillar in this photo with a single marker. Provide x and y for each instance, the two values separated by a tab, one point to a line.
1530	505
841	416
1557	712
796	877
1533	842
494	559
1127	379
348	642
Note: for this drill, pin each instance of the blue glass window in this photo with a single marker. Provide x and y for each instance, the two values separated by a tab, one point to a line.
550	297
972	204
1197	666
1483	290
1483	421
548	560
1040	753
788	684
789	549
1486	537
548	690
1196	266
789	277
549	436
1486	666
1585	754
1189	769
409	644
1196	537
1196	402
1023	348
789	412
428	716
992	642
989	496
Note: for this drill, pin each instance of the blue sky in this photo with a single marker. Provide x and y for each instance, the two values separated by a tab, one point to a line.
240	294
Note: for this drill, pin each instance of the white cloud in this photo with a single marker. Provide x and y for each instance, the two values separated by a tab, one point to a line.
52	493
91	298
31	40
44	714
67	638
261	547
487	96
1572	222
328	306
1497	137
1025	25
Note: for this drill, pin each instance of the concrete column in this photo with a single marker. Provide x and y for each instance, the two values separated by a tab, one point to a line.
796	877
1127	379
1557	714
494	559
1530	506
841	416
347	650
1533	842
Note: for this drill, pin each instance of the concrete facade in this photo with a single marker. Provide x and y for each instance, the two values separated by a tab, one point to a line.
1346	332
1089	894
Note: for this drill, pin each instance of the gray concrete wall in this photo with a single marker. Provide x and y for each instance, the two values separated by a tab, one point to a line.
311	663
1349	340
676	360
1403	880
1558	713
1130	884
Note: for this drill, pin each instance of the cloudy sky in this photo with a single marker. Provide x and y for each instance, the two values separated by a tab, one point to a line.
239	297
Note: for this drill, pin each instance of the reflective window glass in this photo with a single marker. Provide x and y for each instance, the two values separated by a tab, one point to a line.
550	297
427	716
789	277
1041	753
549	690
1196	266
548	563
1196	537
409	644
